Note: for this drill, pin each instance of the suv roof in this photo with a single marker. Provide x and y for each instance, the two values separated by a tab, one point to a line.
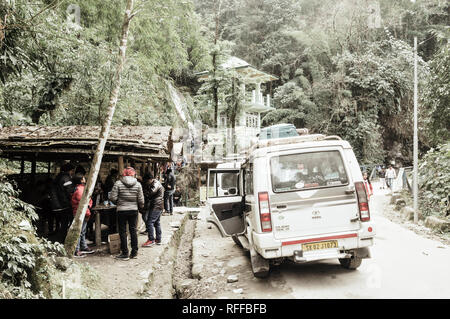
311	140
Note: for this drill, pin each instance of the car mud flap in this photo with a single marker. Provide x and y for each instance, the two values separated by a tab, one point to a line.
241	241
260	266
363	252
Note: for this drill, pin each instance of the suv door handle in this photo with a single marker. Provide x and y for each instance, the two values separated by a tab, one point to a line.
354	219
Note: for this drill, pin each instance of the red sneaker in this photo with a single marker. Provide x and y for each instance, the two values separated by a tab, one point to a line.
148	243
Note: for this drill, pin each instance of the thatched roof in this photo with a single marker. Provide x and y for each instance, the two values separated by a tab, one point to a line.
79	142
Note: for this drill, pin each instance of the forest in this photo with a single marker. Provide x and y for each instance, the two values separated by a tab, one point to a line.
343	67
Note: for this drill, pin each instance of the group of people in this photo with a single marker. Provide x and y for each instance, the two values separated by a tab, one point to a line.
386	178
150	197
130	193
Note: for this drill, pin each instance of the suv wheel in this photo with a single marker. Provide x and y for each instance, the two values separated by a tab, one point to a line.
351	263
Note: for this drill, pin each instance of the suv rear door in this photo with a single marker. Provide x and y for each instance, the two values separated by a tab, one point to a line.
312	193
224	199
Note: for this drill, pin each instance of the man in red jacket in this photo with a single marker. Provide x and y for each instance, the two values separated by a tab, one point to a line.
79	181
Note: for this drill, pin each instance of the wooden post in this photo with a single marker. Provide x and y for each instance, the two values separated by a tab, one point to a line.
33	169
22	166
144	168
98	229
121	165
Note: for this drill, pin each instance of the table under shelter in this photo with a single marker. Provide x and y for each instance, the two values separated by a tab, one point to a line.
143	147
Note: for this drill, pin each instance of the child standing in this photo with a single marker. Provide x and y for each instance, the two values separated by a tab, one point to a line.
368	185
79	181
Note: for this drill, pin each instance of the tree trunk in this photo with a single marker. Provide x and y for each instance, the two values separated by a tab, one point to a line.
215	93
75	230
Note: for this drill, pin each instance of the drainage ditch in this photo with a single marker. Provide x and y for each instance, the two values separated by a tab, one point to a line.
171	276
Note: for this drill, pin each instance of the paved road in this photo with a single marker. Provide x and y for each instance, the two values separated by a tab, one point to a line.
403	265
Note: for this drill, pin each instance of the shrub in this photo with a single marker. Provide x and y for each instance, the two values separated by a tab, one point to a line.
434	181
23	264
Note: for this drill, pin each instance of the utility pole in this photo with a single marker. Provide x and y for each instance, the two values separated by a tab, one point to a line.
416	143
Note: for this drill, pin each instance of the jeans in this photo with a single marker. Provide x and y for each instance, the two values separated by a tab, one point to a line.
153	221
389	182
168	201
82	239
130	217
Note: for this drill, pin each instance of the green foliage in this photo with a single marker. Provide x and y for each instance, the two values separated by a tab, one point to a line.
436	99
434	181
216	84
23	266
338	73
66	76
293	106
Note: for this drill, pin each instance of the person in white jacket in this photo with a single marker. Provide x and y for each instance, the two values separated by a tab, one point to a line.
390	176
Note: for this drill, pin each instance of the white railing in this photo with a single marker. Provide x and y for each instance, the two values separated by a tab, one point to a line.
259	99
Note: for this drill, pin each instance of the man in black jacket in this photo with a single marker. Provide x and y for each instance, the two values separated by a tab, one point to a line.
169	186
154	194
60	198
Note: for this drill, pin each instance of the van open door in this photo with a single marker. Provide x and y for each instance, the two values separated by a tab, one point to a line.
224	199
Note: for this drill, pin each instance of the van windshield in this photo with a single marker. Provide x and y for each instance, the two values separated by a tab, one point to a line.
307	171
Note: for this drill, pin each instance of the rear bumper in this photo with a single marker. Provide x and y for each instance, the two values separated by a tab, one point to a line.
269	248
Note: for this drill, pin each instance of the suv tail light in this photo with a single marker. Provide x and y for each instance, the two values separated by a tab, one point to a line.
264	212
363	203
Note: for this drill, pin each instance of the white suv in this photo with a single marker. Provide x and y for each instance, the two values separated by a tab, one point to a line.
301	198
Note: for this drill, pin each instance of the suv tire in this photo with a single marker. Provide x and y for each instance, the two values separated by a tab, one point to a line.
351	263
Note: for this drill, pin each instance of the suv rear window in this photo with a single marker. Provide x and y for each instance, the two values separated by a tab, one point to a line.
295	172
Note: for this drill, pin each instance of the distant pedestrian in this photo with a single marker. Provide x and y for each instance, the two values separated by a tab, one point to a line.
390	176
169	187
154	193
382	174
79	181
127	194
368	185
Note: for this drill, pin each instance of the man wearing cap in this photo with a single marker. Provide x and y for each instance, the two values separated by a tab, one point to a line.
128	196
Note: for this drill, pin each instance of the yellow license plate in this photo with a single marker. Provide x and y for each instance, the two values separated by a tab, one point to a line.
320	245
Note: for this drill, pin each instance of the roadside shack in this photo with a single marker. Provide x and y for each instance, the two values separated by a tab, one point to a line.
40	151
